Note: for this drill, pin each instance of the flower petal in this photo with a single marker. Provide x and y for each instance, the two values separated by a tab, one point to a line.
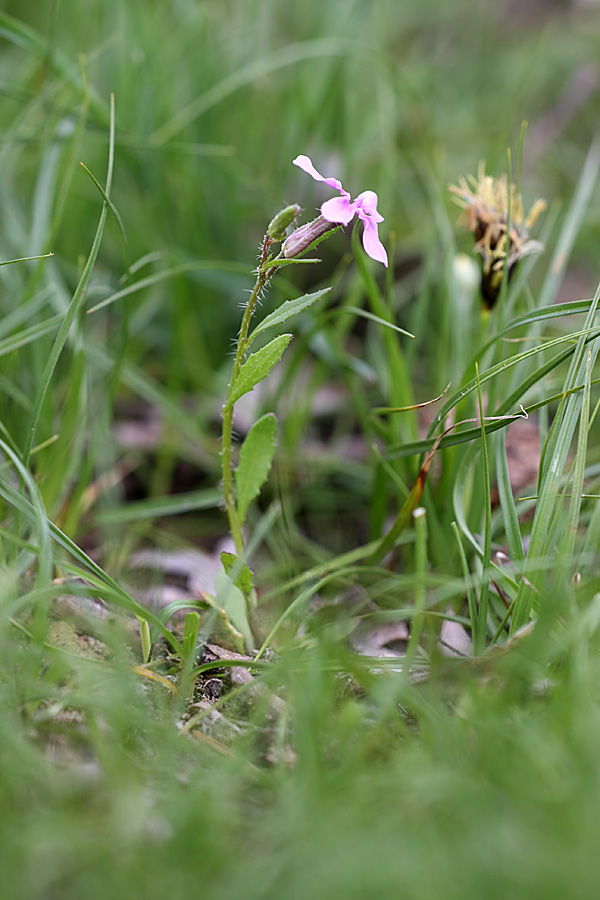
367	201
304	163
373	246
339	209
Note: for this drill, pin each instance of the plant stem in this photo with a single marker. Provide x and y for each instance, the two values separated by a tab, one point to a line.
235	525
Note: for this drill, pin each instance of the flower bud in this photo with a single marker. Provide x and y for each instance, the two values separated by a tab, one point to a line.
284	217
466	278
301	239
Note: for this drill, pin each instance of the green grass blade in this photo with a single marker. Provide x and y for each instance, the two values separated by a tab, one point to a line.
39	514
108	202
9	262
568	544
159	507
173	272
91	571
471	602
507	502
291	55
74	306
28	335
552	465
479	638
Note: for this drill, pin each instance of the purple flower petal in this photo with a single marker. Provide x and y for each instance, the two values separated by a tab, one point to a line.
338	209
368	202
304	163
373	246
342	210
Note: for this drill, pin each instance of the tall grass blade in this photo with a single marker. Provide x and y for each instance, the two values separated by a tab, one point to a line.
75	304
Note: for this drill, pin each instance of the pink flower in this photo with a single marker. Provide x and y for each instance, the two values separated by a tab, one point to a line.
342	210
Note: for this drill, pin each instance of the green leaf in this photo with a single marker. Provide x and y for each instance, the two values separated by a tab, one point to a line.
216	625
258	366
239	572
479	638
108	202
365	314
507	502
287	310
146	639
9	262
256	457
190	634
27	335
233	603
202	265
157	507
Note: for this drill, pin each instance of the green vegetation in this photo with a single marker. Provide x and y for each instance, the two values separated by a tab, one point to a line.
415	589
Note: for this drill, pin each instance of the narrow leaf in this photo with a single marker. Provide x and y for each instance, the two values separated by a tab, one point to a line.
467	578
108	202
507	502
27	335
157	507
256	457
365	314
231	600
202	265
190	634
286	311
257	367
74	305
568	545
239	572
9	262
479	638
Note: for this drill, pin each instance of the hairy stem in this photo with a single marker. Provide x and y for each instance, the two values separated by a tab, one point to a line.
235	525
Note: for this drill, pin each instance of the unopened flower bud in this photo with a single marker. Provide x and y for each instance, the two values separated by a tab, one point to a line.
466	278
284	217
301	239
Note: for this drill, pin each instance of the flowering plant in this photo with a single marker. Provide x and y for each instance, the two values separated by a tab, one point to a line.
242	481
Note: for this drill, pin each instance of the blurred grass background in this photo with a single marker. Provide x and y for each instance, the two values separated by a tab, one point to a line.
483	782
